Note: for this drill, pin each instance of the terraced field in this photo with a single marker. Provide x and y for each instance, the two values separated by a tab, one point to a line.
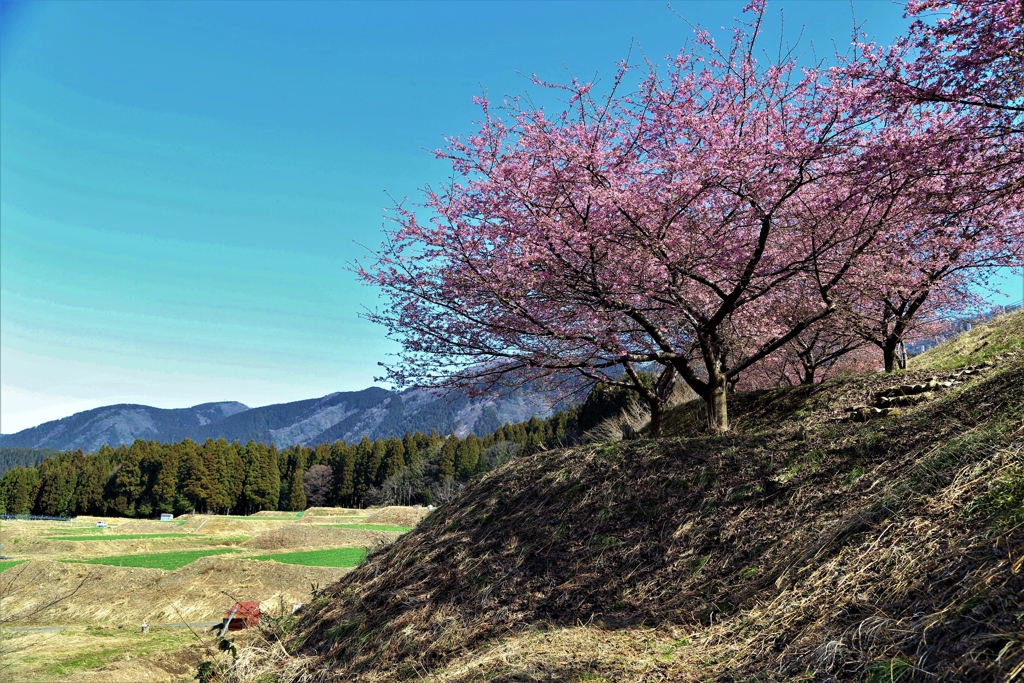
73	596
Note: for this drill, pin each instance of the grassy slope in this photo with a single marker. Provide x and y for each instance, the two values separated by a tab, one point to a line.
890	550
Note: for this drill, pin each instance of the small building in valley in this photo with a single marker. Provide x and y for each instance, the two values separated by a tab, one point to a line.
166	517
242	615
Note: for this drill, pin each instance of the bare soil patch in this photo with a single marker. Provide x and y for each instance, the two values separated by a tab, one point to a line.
397	516
294	536
334	512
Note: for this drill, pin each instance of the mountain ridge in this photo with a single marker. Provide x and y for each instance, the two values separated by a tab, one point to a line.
373	412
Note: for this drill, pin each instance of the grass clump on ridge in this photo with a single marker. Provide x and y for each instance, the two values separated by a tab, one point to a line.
1001	335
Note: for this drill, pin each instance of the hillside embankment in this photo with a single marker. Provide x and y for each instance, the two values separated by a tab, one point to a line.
805	545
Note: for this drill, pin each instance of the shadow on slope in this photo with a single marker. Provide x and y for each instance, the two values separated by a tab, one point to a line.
855	548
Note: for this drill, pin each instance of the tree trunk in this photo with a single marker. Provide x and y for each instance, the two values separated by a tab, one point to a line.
657	417
718	411
891	355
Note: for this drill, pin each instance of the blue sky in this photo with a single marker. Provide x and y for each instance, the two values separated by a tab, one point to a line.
182	184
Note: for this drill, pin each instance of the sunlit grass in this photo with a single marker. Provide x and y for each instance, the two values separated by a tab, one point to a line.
169	561
329	557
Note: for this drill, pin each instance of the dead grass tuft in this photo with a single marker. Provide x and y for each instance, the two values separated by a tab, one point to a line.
396	515
306	536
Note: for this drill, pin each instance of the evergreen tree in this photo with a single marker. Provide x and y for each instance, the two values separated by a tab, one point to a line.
412	449
273	476
343	462
17	487
373	467
165	484
92	479
128	484
56	487
198	482
467	457
292	496
446	466
394	459
321	455
362	478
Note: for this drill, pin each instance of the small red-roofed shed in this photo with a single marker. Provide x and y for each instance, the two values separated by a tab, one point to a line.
243	615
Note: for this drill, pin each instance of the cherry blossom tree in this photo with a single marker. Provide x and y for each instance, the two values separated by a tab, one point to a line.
819	353
700	223
656	227
966	52
928	277
967	220
961	66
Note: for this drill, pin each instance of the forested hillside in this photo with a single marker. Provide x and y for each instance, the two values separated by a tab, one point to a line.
150	477
23	457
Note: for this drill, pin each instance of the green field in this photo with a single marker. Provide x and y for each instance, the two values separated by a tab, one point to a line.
371	527
113	537
7	564
168	561
331	557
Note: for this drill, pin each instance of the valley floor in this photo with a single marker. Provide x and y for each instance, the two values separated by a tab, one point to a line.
74	596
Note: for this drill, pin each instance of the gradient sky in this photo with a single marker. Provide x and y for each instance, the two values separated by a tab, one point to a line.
182	184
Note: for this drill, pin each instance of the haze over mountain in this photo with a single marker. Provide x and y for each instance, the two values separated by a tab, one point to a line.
345	416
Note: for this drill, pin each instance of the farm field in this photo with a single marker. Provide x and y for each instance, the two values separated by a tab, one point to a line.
168	561
103	653
329	557
73	596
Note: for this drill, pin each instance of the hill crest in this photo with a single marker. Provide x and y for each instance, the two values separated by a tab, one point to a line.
886	550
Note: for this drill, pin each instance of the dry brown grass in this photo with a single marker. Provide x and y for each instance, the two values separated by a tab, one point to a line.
396	516
333	512
104	655
295	536
751	556
200	591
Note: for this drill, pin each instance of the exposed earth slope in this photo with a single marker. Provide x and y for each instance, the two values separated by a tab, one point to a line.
804	546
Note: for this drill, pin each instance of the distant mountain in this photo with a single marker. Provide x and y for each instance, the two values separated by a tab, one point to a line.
342	416
117	424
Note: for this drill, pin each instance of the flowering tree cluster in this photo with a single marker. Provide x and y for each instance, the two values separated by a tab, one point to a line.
961	69
724	211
